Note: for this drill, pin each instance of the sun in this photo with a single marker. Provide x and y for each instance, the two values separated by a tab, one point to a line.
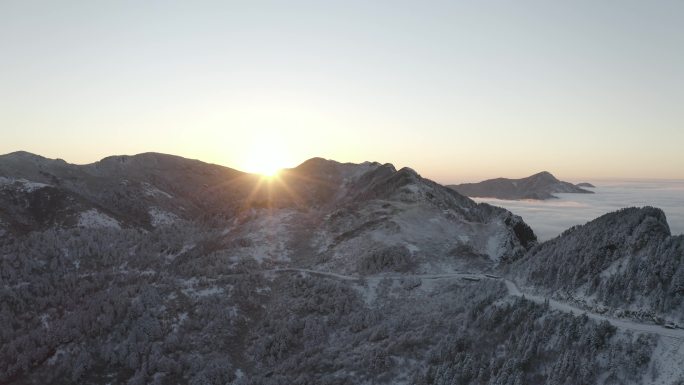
269	170
266	160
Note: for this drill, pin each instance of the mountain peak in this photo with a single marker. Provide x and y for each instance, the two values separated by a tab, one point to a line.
24	156
542	174
541	185
315	163
21	153
145	156
637	221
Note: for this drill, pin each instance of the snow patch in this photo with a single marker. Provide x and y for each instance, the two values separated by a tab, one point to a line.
494	247
95	219
159	217
22	184
269	237
208	291
44	320
412	188
153	191
176	324
59	353
666	361
239	374
185	249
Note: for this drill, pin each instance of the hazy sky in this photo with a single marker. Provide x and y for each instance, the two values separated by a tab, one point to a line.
458	90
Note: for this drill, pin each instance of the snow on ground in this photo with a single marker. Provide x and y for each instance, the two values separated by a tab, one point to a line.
403	223
159	217
189	288
619	323
23	184
94	219
494	247
667	362
187	247
30	186
56	356
239	374
44	320
269	236
204	292
153	191
176	324
412	188
371	283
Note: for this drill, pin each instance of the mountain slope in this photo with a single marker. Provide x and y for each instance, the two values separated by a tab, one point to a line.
321	212
538	186
625	262
137	191
369	218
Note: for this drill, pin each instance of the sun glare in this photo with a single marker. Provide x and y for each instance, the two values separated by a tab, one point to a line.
269	171
266	160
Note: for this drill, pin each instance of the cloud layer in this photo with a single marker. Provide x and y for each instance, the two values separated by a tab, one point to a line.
550	218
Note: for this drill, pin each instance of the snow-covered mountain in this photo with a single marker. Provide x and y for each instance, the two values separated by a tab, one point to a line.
538	186
162	270
321	212
133	191
625	262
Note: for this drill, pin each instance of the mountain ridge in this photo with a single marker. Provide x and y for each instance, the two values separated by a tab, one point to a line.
374	204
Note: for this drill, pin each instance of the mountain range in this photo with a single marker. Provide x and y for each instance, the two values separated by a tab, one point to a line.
539	186
157	269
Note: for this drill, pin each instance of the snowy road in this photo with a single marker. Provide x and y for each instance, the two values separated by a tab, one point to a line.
619	323
381	276
513	290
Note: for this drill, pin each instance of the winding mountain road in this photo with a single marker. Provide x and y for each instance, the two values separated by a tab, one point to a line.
513	290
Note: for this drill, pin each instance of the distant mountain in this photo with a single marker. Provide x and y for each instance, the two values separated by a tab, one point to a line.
585	184
625	262
538	186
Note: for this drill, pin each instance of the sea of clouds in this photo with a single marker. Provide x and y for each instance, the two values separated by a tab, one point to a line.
549	218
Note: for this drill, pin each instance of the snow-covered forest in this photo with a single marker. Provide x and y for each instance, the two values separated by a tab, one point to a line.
102	306
625	262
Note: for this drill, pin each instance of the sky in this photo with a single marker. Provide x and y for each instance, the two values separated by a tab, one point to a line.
457	90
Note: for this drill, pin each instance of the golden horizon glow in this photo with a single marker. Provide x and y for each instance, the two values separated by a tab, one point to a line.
269	172
265	158
437	88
